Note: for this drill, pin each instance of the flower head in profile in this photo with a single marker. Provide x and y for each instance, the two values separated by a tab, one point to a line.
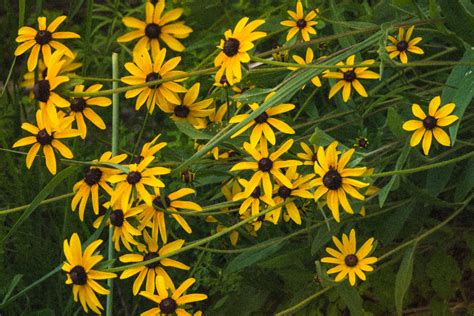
234	49
348	260
309	57
427	126
79	267
333	179
300	23
47	141
153	270
266	167
43	40
172	303
145	69
265	122
153	214
190	110
309	155
157	27
350	78
252	204
132	183
403	44
150	149
95	178
82	107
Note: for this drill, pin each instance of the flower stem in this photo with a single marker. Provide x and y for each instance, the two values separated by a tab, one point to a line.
23	207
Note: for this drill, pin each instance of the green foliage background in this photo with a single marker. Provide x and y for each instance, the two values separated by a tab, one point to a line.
279	268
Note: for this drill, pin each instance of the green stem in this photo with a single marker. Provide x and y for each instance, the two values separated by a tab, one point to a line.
139	139
423	168
47	201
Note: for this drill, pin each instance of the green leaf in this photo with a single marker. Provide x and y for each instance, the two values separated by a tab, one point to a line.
248	258
253	95
403	279
383	194
394	122
459	89
351	298
320	137
12	286
457	18
323	236
64	174
189	130
465	181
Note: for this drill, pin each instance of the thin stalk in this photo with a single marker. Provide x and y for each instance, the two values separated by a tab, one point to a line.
47	201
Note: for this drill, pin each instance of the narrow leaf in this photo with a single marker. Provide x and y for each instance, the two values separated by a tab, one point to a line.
404	275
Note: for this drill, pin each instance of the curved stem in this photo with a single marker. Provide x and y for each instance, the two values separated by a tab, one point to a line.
24	207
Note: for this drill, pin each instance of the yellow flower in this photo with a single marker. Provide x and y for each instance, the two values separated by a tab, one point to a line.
143	70
156	27
149	149
403	44
234	48
349	77
80	273
174	304
95	177
429	125
81	107
190	110
334	179
266	166
123	229
309	156
308	60
350	261
299	190
152	270
153	214
252	202
264	122
135	179
301	23
42	40
48	141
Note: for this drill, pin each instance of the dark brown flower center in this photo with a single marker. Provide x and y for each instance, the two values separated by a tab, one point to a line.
152	30
256	193
363	142
262	118
150	256
78	275
41	90
181	111
187	176
117	218
350	75
402	46
153	76
332	179
284	192
231	47
168	305
93	176
265	164
43	37
158	204
301	23
78	104
351	260
44	138
429	122
134	177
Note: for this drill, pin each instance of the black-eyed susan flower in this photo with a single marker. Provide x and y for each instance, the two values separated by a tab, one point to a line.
95	177
251	204
309	155
79	267
190	110
43	90
47	141
403	44
266	167
81	107
309	57
153	270
362	142
349	77
172	303
299	190
149	149
156	27
153	214
235	46
334	179
43	39
124	231
429	125
301	23
145	69
350	261
134	182
264	122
